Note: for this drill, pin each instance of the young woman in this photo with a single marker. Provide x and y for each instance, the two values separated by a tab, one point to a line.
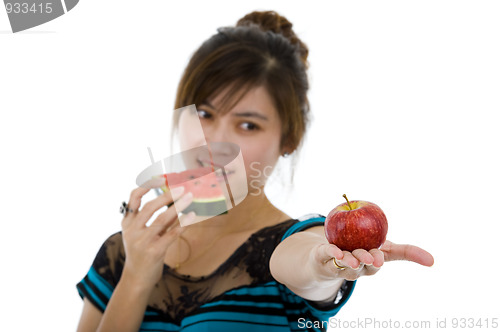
254	268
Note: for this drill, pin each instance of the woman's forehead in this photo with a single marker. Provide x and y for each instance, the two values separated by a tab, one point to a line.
250	99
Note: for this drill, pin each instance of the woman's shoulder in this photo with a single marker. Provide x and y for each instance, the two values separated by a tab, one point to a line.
111	256
113	242
293	225
257	251
283	229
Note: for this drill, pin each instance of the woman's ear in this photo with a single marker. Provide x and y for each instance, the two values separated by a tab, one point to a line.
286	150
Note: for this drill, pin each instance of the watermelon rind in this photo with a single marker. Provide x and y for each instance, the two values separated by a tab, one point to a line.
207	208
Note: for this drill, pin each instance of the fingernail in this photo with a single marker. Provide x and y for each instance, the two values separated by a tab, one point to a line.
359	267
190	217
184	201
176	192
187	197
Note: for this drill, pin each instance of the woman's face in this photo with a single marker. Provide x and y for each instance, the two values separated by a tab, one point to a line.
253	124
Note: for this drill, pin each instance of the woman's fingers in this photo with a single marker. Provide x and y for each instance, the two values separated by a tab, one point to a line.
134	202
187	218
170	234
378	261
152	206
326	252
349	265
349	268
349	261
378	257
361	262
168	218
363	256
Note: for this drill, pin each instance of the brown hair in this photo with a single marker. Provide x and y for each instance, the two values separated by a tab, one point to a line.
261	50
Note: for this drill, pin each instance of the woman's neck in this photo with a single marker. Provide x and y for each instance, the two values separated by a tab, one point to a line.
232	229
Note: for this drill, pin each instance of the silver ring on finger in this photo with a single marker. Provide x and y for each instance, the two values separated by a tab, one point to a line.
124	209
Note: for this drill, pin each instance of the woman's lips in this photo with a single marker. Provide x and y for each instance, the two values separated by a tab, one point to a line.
221	177
219	170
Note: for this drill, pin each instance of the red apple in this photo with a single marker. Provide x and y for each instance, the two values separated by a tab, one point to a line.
356	225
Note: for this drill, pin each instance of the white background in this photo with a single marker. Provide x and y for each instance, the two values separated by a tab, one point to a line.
404	96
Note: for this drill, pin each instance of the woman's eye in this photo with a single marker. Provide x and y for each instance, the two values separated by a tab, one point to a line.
249	126
204	114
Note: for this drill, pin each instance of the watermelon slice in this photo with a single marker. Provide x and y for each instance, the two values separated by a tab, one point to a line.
208	196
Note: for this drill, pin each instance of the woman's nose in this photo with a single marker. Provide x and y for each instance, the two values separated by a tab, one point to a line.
216	133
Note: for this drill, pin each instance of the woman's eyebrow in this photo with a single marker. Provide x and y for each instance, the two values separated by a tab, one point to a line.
242	114
207	103
251	114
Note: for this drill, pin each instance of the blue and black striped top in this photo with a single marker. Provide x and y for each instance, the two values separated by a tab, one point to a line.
241	295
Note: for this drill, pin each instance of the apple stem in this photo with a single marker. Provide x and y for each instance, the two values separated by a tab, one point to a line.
348	203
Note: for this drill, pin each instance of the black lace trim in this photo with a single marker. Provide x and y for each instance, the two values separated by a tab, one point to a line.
254	252
177	295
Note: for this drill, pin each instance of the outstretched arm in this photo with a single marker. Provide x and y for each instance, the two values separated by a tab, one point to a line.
304	262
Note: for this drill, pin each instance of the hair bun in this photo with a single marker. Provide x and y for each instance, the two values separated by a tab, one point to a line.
272	21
